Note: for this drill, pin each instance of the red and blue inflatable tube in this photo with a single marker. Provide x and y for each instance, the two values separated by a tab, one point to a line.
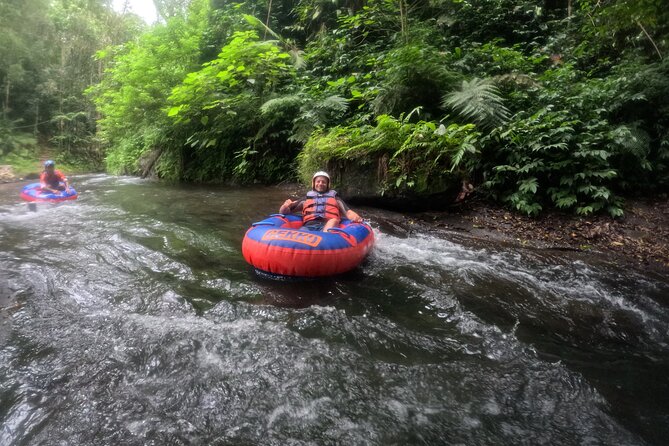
34	192
280	246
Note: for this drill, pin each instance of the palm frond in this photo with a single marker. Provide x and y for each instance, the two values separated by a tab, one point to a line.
480	101
334	104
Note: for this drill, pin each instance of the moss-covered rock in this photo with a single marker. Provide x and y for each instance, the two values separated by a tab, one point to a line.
366	184
397	164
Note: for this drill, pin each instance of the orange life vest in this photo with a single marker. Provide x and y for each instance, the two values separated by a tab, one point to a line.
323	206
51	180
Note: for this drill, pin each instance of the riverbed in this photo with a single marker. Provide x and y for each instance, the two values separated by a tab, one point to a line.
130	317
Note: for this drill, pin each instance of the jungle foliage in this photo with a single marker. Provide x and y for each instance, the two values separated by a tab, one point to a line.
414	156
539	104
46	63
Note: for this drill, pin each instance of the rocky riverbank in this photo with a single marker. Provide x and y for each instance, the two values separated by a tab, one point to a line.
640	238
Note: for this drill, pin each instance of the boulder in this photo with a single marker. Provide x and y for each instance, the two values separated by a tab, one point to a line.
369	184
147	163
7	174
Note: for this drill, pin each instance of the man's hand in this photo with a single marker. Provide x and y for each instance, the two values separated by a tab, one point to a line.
355	218
285	207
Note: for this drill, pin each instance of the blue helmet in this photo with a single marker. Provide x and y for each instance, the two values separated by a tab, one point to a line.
48	163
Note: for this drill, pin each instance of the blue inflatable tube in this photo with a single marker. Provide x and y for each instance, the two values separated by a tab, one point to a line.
280	246
34	192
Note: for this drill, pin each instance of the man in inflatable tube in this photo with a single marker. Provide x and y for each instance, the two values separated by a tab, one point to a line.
51	178
321	209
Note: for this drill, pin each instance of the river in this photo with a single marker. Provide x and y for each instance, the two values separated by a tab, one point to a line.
129	317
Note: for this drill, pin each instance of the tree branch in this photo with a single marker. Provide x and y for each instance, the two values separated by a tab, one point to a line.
649	38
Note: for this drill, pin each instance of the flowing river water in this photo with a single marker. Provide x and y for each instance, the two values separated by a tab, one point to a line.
129	317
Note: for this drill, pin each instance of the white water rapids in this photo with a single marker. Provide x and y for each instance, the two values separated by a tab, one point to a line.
130	317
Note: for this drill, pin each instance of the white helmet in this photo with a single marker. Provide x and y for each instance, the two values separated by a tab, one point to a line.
320	173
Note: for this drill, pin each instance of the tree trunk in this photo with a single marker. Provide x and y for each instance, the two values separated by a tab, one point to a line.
269	12
36	118
5	107
403	20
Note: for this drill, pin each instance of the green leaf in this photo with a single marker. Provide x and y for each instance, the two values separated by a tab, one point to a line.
529	185
584	210
566	202
602	192
615	211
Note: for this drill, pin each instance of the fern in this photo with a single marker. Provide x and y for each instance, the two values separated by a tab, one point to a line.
479	100
414	75
631	139
314	114
302	113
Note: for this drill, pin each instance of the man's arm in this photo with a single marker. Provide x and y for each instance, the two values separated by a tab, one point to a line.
63	178
289	206
349	213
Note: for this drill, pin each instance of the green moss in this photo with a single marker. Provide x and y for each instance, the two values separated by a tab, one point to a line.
395	156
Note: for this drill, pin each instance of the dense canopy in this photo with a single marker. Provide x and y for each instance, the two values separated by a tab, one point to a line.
539	104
